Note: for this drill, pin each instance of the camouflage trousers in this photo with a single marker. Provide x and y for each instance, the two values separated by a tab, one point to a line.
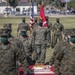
48	38
67	70
40	53
25	65
56	67
55	39
68	73
10	73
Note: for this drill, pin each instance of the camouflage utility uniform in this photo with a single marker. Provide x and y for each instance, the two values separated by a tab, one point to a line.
11	39
56	32
66	56
27	45
11	57
8	59
59	46
49	34
23	25
57	49
49	31
28	49
64	59
39	39
35	23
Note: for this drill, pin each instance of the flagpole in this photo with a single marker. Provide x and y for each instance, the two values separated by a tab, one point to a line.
30	15
66	8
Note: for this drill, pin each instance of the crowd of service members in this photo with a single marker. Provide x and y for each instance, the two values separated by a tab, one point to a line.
25	50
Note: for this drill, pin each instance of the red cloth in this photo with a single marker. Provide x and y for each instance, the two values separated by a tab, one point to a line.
21	71
41	74
42	16
51	69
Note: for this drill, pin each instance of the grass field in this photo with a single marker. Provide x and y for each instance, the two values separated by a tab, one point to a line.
68	22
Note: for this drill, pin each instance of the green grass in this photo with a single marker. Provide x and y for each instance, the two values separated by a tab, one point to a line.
68	22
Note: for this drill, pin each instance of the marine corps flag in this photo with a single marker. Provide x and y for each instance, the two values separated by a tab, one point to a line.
42	15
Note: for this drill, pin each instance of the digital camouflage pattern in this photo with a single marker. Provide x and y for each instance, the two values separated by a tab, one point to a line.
27	45
57	28
11	58
56	32
35	23
59	46
49	34
71	68
7	29
63	57
7	26
16	42
39	35
66	59
21	26
39	39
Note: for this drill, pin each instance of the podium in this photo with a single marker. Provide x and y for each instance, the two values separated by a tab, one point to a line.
38	70
41	70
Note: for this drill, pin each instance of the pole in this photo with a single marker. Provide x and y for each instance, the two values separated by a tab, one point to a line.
7	8
50	9
66	8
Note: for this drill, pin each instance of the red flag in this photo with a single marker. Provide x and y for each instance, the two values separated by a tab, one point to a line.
42	15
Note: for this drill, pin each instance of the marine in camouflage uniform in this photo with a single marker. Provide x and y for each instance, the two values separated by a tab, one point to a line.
66	57
56	32
27	44
11	57
49	32
22	25
11	39
39	39
59	46
7	25
8	28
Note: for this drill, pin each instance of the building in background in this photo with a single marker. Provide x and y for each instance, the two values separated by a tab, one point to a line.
26	6
2	1
23	0
23	6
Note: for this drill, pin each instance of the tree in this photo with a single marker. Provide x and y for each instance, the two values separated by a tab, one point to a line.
13	3
71	4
